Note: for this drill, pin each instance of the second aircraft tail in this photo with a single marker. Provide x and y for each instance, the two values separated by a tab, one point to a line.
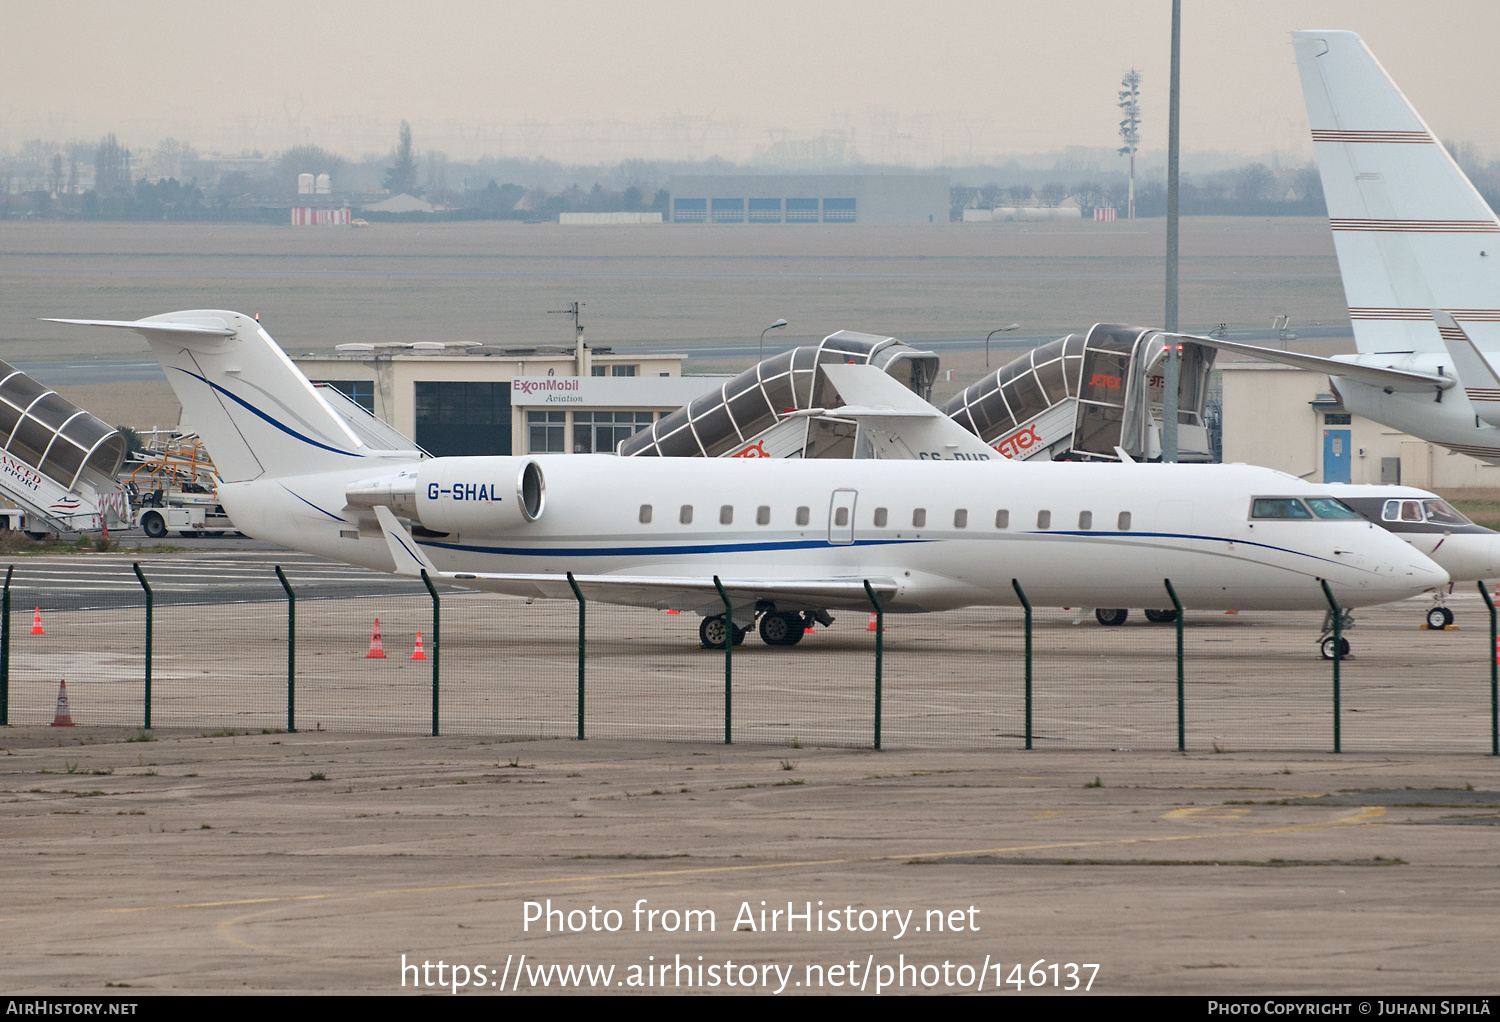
1411	231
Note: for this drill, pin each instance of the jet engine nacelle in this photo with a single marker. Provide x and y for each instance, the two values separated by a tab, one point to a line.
474	496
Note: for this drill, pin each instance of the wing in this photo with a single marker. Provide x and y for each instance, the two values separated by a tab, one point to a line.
1374	376
697	593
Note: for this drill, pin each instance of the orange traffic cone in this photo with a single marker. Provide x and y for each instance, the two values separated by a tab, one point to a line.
36	623
62	718
377	651
871	626
417	653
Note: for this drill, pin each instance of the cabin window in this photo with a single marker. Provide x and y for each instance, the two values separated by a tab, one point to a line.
1085	521
1044	519
685	516
726	514
803	515
919	517
1002	519
1279	507
645	514
841	517
961	518
881	517
1123	522
763	515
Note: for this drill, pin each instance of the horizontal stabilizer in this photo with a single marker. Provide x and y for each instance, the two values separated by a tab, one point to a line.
146	327
899	423
1383	377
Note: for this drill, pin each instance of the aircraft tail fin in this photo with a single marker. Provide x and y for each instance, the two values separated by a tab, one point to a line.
257	413
1411	231
897	422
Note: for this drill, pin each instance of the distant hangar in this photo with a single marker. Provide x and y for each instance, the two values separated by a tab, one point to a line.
809	199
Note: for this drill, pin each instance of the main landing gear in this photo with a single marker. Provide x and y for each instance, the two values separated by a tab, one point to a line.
1119	615
777	628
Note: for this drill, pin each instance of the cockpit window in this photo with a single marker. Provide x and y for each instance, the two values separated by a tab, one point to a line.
1279	507
1329	507
1443	513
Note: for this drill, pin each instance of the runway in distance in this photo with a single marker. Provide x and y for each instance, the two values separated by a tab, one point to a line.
789	540
1418	250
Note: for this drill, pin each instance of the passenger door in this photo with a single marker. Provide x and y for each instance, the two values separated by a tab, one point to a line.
841	517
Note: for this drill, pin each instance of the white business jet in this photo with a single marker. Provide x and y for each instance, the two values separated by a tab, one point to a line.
788	540
1419	252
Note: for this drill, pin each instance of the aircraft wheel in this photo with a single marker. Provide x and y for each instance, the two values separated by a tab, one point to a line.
1111	617
1161	617
781	629
153	526
711	633
1439	618
1325	648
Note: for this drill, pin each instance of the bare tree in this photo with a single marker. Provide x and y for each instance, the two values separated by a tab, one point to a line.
111	166
402	177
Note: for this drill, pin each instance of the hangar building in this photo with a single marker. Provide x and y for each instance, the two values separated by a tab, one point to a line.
809	199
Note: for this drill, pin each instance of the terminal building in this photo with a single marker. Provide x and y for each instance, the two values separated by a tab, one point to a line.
480	399
809	199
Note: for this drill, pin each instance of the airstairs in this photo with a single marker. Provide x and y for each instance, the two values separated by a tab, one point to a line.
1090	396
58	462
784	407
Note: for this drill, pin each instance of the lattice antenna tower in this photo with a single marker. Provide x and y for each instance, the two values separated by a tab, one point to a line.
1130	126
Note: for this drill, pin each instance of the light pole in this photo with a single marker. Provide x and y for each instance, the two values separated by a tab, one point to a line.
992	333
774	326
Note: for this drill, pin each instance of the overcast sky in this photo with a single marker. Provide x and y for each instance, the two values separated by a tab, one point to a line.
577	80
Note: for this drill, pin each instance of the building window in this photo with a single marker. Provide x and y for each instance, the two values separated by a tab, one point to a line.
763	515
463	418
601	432
802	516
685	516
1044	519
645	514
622	370
919	517
548	432
1337	419
1002	519
689	211
726	514
728	211
801	211
881	517
361	392
838	211
598	370
1085	520
765	211
961	518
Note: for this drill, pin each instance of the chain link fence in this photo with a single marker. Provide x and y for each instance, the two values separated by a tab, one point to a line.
416	659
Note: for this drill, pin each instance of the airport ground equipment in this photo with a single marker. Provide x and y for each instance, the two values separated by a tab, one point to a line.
58	462
170	482
1090	396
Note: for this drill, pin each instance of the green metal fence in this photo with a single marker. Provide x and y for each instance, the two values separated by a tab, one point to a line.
130	649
